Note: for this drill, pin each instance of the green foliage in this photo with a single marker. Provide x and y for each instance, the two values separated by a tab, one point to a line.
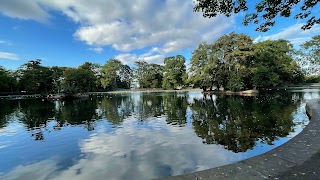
35	78
265	11
312	79
81	79
203	68
148	75
225	63
309	56
57	77
8	81
273	65
234	63
115	75
174	72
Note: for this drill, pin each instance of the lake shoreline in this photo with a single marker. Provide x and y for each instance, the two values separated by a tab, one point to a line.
296	159
144	90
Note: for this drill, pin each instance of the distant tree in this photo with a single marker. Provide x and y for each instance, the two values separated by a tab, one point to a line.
174	72
57	77
70	81
35	78
80	79
115	75
92	74
148	75
8	81
266	11
309	56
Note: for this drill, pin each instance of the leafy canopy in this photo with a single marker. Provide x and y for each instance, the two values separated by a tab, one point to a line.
265	11
115	75
174	72
148	75
309	56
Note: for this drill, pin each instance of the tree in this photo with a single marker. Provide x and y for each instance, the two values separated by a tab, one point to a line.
57	77
148	75
225	63
115	75
80	79
234	54
174	72
273	64
92	74
203	68
265	11
309	56
35	78
7	80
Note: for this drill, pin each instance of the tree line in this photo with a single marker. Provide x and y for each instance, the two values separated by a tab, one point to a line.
233	62
33	77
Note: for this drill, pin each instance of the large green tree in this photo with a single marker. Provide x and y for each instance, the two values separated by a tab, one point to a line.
33	77
115	75
264	13
148	75
273	64
203	69
225	63
174	72
80	79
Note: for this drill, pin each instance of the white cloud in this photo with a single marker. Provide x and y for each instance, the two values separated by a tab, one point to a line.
127	58
10	56
149	57
293	33
156	59
23	9
96	49
256	40
133	153
5	42
128	25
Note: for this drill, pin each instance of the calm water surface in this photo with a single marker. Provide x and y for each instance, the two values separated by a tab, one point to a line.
143	135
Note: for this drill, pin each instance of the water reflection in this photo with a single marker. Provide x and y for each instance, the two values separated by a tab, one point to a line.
238	122
142	135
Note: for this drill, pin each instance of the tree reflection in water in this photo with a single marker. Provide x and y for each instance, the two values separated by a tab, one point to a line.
35	114
236	122
176	108
239	122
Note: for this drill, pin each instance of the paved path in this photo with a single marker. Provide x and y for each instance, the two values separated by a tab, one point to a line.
299	158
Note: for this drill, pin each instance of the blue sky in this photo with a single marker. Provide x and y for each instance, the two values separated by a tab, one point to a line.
69	33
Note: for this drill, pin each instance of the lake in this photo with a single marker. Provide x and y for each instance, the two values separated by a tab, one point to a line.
143	135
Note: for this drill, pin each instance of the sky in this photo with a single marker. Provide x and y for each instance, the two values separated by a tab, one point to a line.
71	32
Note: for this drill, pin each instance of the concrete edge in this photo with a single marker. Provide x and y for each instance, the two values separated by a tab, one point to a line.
272	163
